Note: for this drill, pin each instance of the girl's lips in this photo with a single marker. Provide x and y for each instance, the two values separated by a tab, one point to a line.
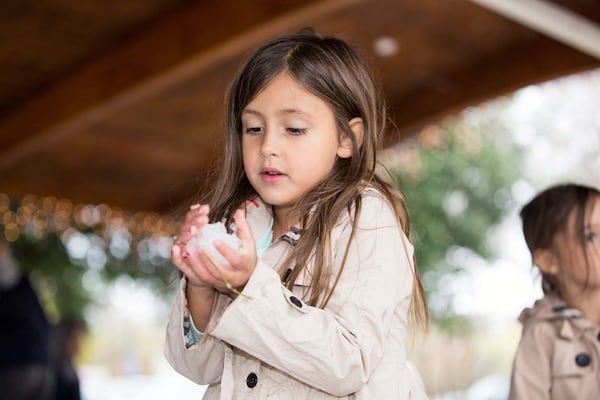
272	176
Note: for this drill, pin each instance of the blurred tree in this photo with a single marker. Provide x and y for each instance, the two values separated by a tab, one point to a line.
456	178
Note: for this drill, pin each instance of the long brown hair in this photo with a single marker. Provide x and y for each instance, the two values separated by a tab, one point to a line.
547	214
334	71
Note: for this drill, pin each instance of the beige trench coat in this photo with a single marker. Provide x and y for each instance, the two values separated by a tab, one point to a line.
269	344
558	357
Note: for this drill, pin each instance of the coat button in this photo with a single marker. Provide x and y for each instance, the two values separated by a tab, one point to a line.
251	380
582	359
296	301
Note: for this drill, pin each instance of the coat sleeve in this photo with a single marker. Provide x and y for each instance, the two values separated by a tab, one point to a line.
531	375
201	362
333	349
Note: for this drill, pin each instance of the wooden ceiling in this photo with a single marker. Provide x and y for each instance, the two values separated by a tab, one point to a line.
120	102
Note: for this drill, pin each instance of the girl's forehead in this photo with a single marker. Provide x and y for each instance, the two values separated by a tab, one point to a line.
590	212
593	212
570	226
284	93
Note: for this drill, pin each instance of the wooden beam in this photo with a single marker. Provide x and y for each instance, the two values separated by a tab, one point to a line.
168	52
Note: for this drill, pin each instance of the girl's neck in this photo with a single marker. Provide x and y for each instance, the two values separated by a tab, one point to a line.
282	221
588	302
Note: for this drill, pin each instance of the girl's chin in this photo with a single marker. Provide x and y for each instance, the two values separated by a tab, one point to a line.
276	201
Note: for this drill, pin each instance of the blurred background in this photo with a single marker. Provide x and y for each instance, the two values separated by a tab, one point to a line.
110	122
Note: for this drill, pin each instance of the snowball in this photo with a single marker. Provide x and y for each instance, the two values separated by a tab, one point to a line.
206	237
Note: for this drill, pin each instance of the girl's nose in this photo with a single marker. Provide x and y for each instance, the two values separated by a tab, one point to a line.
268	145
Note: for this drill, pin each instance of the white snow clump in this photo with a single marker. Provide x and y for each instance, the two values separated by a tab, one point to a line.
206	237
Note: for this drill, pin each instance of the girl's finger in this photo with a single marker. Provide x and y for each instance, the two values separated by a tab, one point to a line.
196	218
190	273
194	269
187	232
245	234
233	256
176	255
223	282
244	231
201	270
197	209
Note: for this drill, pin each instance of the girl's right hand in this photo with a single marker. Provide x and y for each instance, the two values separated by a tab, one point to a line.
195	219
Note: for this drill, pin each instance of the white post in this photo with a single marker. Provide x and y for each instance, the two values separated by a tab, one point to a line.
552	20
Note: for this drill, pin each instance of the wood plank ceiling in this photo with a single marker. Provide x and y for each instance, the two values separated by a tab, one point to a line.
119	102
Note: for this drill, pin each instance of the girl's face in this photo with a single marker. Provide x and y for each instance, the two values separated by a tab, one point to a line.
290	142
571	255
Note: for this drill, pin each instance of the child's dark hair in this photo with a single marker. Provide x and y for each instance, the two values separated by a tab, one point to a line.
546	215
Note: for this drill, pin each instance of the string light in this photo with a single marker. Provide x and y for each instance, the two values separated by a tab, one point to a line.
38	217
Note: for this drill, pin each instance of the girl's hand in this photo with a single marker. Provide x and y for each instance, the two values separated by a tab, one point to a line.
233	277
201	269
195	219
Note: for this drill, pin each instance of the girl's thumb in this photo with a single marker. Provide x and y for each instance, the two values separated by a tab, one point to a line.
243	229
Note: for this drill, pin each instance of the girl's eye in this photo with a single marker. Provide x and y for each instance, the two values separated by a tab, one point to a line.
591	237
253	130
296	131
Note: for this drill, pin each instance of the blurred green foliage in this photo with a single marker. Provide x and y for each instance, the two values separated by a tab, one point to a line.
57	280
457	183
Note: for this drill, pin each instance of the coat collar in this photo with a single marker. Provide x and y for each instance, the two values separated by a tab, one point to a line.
571	322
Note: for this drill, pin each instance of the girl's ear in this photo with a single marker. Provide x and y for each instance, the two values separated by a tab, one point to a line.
546	261
345	146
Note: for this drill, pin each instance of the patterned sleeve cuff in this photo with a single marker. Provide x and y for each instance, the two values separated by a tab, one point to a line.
191	333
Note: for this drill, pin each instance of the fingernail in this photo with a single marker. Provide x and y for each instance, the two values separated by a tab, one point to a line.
194	206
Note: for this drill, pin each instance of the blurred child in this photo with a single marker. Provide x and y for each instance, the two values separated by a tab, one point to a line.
68	334
559	354
317	301
26	371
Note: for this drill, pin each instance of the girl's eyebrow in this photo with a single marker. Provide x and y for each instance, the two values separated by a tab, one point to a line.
291	111
283	111
250	111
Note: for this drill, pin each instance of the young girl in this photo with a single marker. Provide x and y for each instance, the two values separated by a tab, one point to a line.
559	353
316	302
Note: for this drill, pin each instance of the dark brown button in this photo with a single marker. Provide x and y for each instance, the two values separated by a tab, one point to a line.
251	380
582	359
296	301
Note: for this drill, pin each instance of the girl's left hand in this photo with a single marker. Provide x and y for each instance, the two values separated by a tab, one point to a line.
241	262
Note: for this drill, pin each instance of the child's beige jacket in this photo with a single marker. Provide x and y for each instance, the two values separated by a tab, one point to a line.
558	357
269	344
